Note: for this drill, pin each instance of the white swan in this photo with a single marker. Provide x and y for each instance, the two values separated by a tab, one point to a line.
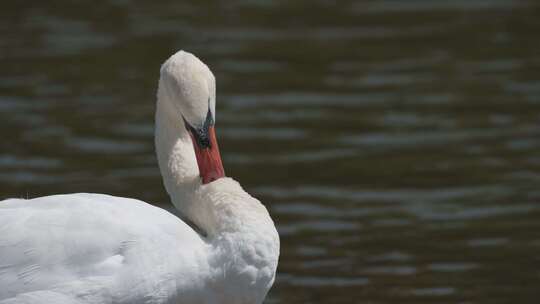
95	248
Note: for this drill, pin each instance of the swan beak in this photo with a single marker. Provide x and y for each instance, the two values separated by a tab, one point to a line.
207	154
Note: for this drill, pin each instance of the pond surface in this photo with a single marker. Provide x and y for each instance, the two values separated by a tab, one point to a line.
395	143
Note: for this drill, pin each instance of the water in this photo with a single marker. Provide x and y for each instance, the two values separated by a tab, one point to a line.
396	143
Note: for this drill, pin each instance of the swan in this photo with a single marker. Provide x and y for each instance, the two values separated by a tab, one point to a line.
95	248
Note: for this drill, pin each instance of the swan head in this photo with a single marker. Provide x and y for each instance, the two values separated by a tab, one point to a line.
190	87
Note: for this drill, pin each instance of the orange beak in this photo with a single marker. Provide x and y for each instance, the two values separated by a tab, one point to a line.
208	158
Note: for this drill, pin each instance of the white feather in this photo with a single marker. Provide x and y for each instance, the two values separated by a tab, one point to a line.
94	248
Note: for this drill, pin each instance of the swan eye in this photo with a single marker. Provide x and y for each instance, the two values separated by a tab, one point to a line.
202	134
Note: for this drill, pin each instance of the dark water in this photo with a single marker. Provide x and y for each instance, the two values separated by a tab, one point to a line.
396	143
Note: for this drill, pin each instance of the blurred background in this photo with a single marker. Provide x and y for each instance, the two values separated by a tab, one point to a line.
395	143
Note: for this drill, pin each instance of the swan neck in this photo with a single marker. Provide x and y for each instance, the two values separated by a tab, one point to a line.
175	154
221	206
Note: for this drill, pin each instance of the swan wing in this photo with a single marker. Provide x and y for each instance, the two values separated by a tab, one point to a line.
40	297
94	248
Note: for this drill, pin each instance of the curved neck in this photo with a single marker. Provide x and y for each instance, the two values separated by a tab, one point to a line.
219	206
236	224
175	154
197	202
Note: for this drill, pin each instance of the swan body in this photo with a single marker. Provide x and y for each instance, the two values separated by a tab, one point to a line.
94	248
